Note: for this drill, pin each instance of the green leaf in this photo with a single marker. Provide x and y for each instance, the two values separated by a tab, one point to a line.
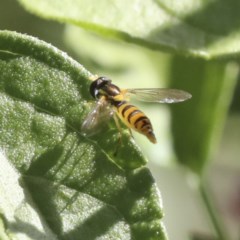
73	186
20	219
207	29
197	124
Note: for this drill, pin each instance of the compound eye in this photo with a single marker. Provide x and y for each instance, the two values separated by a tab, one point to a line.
93	89
97	85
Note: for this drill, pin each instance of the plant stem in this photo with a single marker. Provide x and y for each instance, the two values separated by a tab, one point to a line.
213	215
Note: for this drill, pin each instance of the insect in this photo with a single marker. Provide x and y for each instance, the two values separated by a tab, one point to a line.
111	101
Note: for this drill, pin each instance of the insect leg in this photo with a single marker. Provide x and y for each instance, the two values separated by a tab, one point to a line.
118	127
130	131
115	117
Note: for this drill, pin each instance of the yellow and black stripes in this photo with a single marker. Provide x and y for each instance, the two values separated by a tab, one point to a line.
135	119
131	116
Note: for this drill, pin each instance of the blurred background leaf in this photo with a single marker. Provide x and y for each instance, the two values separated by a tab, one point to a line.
196	125
195	28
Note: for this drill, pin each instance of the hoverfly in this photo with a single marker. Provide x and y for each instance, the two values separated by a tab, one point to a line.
113	101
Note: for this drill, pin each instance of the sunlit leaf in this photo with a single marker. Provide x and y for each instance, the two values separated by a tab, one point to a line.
74	187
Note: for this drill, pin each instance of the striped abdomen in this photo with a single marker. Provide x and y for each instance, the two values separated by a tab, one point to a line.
135	119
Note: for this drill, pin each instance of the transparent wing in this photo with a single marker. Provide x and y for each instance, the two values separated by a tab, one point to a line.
160	95
99	114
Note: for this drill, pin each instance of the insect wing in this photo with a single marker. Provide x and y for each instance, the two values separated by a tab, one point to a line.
99	115
160	95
